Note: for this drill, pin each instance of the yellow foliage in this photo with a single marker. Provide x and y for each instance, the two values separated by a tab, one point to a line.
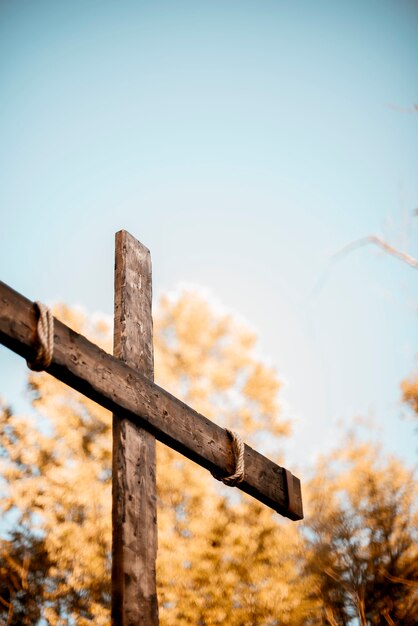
362	536
223	558
58	469
410	393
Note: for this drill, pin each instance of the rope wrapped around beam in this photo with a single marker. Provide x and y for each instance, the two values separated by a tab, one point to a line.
239	472
44	338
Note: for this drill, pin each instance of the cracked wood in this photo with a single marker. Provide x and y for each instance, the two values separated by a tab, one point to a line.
125	391
134	510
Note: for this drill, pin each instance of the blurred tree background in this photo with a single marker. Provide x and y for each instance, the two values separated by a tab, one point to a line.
223	558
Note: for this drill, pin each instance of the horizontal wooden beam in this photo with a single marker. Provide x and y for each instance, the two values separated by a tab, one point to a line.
114	385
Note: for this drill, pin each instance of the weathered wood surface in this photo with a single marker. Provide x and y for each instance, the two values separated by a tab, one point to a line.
123	390
134	489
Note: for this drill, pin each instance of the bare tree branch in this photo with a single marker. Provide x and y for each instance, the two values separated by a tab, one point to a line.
378	241
400	109
388	618
330	616
363	241
403	581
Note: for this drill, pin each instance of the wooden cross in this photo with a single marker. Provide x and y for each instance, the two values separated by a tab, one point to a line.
142	412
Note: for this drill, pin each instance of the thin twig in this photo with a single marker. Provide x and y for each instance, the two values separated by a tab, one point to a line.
378	241
330	616
388	618
10	614
361	609
402	581
370	239
400	109
4	602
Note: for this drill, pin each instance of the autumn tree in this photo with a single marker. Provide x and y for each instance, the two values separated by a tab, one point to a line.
57	467
410	393
223	558
218	551
362	538
24	567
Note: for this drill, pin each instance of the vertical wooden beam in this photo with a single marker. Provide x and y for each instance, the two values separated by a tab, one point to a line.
134	511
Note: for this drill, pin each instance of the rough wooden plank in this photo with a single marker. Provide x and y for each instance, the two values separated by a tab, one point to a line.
134	511
121	389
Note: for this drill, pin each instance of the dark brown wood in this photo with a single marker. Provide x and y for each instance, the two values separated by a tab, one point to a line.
123	390
134	490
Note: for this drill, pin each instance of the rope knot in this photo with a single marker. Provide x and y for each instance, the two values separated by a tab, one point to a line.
238	450
44	338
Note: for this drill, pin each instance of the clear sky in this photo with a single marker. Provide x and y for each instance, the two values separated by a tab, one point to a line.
244	142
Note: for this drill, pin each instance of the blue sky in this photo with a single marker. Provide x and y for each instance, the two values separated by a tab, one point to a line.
244	143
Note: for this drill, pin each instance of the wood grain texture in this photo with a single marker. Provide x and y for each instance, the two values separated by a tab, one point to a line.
118	387
134	510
